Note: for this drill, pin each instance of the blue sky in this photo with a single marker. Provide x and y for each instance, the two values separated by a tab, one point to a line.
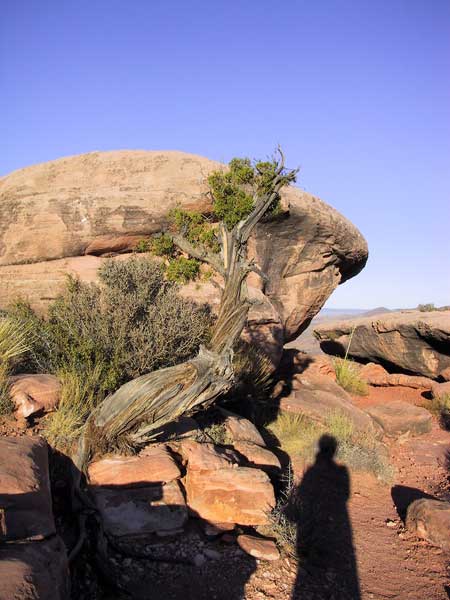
357	93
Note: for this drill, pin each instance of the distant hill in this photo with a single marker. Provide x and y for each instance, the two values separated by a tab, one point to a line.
308	343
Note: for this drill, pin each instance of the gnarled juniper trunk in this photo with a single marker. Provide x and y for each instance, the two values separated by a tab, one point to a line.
131	416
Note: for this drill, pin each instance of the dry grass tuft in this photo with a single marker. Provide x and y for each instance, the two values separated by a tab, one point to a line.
440	407
79	396
348	377
359	450
15	340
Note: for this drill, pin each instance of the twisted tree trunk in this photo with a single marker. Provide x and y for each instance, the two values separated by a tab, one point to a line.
130	417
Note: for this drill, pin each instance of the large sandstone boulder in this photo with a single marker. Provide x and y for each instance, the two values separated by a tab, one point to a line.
54	213
413	341
430	520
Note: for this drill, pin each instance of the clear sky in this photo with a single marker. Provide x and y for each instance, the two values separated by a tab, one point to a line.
356	91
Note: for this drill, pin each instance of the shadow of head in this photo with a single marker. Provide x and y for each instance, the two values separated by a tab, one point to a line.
327	447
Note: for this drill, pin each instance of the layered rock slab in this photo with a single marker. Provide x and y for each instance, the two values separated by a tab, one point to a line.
34	571
152	465
243	495
318	397
399	418
413	341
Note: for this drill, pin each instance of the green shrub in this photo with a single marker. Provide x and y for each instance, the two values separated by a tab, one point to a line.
195	227
162	245
132	323
142	246
183	270
348	377
250	395
233	190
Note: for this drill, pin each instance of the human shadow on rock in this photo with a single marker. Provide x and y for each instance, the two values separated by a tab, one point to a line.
327	561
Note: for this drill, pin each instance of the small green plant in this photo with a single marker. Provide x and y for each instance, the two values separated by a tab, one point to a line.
348	377
183	270
215	433
142	246
296	434
162	245
347	374
253	371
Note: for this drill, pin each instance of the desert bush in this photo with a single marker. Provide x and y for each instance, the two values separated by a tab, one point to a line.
15	341
282	525
182	269
162	245
142	246
348	377
132	323
428	307
79	395
440	407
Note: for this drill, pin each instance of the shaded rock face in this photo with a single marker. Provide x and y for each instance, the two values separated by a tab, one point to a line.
34	571
25	490
430	520
412	341
52	214
33	560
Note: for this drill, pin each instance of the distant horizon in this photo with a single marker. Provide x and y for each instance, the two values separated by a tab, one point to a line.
357	94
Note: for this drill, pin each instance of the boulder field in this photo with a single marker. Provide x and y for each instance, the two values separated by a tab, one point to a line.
410	340
64	216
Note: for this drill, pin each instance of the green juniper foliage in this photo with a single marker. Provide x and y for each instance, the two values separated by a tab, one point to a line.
233	190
